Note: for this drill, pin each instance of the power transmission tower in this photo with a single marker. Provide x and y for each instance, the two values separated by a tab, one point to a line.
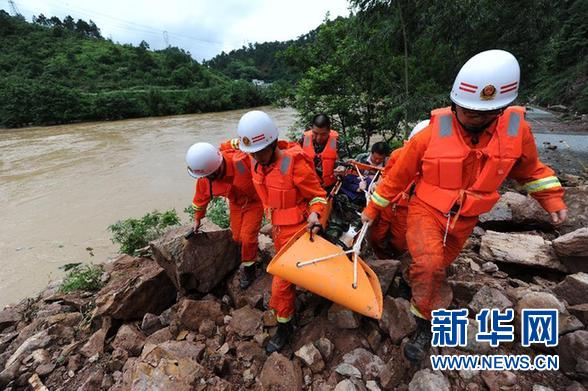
13	8
166	39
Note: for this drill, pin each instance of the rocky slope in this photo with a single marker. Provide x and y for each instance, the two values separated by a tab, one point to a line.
176	319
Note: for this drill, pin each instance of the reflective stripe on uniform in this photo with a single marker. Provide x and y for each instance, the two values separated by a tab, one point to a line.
379	200
283	320
514	122
445	126
317	200
542	184
198	208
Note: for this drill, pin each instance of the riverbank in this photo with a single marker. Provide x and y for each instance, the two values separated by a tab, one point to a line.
147	328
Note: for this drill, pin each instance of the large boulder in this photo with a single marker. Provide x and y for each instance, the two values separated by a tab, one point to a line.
531	213
573	289
247	321
573	353
488	297
136	286
522	249
572	249
385	269
197	264
501	213
279	373
397	320
9	317
190	314
541	300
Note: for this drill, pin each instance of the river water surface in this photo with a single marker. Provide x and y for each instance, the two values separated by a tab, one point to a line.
62	186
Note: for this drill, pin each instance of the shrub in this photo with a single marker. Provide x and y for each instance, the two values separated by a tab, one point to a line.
133	234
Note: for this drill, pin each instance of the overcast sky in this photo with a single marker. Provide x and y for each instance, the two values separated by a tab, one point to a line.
202	27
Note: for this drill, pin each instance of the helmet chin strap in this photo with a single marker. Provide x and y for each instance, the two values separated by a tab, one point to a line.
471	129
273	156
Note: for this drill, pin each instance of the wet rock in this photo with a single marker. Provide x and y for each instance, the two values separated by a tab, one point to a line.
191	313
137	286
159	336
521	249
580	311
368	363
372	386
573	353
489	267
499	380
281	374
392	373
180	374
538	300
66	319
397	321
488	297
539	387
250	351
346	369
573	289
531	213
252	296
311	357
93	382
326	347
385	269
197	264
247	321
173	349
342	317
427	380
150	324
572	249
207	328
130	339
501	214
37	341
9	317
346	385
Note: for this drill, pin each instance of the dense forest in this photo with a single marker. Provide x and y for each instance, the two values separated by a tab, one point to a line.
58	71
391	62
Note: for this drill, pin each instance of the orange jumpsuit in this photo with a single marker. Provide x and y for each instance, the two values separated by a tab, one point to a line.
435	238
290	190
390	227
245	207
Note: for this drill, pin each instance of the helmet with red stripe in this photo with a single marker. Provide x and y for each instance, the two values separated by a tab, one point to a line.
487	81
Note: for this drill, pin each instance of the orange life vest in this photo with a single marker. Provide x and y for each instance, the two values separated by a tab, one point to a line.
443	162
276	187
328	156
240	190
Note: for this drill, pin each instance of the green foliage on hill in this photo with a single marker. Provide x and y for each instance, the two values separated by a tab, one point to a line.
54	71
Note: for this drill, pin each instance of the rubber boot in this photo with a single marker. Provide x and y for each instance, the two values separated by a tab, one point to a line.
418	346
247	276
281	338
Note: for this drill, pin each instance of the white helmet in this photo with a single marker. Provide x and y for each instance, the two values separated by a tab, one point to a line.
256	131
487	81
418	127
203	159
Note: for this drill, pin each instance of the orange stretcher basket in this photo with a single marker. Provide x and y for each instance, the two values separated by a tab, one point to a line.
324	268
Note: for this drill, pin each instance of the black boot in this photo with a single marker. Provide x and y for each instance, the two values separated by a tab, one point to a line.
418	346
281	338
247	276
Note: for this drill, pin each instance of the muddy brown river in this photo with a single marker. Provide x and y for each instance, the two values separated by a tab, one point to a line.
62	186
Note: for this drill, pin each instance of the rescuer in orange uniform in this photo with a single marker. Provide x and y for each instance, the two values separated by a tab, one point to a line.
322	145
227	173
461	160
388	233
291	193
